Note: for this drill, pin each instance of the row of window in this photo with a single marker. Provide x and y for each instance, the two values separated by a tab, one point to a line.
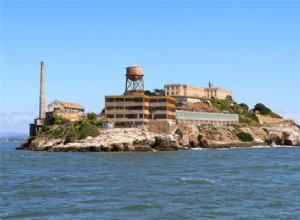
129	116
138	107
206	115
129	124
162	108
155	108
141	116
74	109
205	122
172	88
165	100
126	100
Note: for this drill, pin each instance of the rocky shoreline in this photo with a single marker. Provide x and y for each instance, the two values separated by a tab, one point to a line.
185	137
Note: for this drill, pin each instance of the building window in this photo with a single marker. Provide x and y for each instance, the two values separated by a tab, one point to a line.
119	100
131	116
109	100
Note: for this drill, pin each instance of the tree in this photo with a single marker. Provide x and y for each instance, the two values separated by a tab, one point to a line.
245	107
92	116
58	119
262	109
156	92
229	98
148	93
159	92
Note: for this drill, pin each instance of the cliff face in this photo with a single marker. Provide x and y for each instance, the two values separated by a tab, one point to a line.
134	139
117	139
285	133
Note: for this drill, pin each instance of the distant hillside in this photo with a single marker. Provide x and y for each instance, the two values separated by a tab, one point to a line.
12	136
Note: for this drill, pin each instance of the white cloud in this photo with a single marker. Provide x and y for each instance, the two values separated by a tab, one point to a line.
11	121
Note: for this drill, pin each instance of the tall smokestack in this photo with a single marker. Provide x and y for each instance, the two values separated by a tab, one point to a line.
42	93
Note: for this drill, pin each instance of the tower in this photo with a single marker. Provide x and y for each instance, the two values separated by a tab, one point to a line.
42	93
134	80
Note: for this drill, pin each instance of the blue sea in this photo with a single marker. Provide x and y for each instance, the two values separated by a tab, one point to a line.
239	183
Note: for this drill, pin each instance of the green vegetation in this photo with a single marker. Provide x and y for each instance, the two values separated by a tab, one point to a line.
156	92
244	106
263	110
72	131
179	104
246	117
58	132
58	119
245	137
92	116
199	138
266	130
179	132
223	105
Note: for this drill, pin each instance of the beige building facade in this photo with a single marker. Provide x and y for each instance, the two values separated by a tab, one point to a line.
139	110
189	91
70	111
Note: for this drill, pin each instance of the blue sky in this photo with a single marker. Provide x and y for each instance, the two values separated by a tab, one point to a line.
249	47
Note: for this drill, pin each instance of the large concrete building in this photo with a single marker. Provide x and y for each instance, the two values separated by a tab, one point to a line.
194	93
139	110
134	109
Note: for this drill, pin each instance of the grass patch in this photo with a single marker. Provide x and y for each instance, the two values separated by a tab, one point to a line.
266	130
199	138
245	137
179	132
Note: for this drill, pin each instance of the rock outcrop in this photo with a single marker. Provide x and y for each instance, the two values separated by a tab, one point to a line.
109	140
208	136
283	134
185	137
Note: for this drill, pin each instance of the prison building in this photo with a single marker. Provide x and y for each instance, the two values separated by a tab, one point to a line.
202	118
70	111
218	93
139	110
189	93
184	90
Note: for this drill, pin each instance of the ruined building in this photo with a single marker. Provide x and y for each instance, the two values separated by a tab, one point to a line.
134	109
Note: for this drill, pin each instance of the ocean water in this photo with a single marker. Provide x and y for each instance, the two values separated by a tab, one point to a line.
240	183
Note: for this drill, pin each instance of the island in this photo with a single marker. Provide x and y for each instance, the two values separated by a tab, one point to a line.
178	117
